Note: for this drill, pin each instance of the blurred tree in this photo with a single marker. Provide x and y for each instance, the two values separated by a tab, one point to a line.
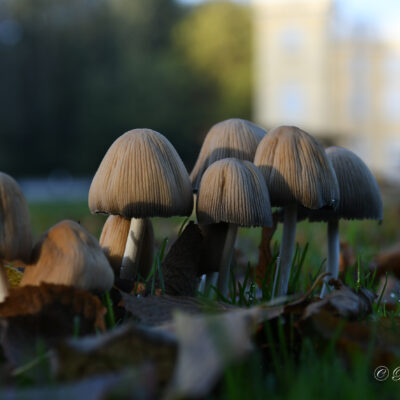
76	74
216	41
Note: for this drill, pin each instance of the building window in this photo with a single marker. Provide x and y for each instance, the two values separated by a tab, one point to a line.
292	39
391	104
292	102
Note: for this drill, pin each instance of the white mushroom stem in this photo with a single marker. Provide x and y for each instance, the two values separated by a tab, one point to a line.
3	282
287	248
333	253
130	260
211	280
224	271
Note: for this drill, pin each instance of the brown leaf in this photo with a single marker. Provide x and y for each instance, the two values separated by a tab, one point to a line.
389	290
157	310
380	336
343	301
45	313
388	261
125	346
189	352
265	254
207	344
346	259
214	236
181	265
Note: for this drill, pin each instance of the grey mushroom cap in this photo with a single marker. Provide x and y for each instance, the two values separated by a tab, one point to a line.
15	229
233	191
360	196
233	137
296	169
141	176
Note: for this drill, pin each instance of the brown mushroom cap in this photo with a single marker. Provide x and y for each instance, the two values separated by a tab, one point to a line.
296	169
233	191
360	196
15	229
234	137
113	241
141	176
67	254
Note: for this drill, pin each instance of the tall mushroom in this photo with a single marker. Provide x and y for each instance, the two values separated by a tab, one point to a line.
233	192
113	240
360	198
141	176
69	255
15	229
297	172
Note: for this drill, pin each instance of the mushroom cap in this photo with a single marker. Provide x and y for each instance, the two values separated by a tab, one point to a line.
69	255
113	242
360	196
233	191
141	176
15	228
233	137
296	169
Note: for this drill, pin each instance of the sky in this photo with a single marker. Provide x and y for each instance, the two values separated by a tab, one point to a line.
384	15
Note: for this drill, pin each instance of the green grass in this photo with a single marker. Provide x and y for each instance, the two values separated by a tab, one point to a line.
315	376
280	372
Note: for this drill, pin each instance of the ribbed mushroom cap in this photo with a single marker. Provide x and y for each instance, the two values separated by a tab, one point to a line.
15	229
234	137
233	191
360	196
69	255
113	241
296	169
141	176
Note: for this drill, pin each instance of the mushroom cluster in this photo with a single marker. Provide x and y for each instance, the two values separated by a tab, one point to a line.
241	171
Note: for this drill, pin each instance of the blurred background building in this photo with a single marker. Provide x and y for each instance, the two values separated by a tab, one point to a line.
76	74
342	86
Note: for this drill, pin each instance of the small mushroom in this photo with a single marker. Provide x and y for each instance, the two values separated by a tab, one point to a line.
141	176
236	138
232	191
360	198
113	240
69	255
297	172
15	229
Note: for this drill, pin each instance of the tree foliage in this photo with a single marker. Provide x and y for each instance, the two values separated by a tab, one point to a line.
75	75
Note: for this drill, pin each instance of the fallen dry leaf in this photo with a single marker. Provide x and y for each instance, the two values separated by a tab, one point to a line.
380	337
214	236
207	344
126	346
157	310
388	290
45	313
388	261
343	301
265	254
180	267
